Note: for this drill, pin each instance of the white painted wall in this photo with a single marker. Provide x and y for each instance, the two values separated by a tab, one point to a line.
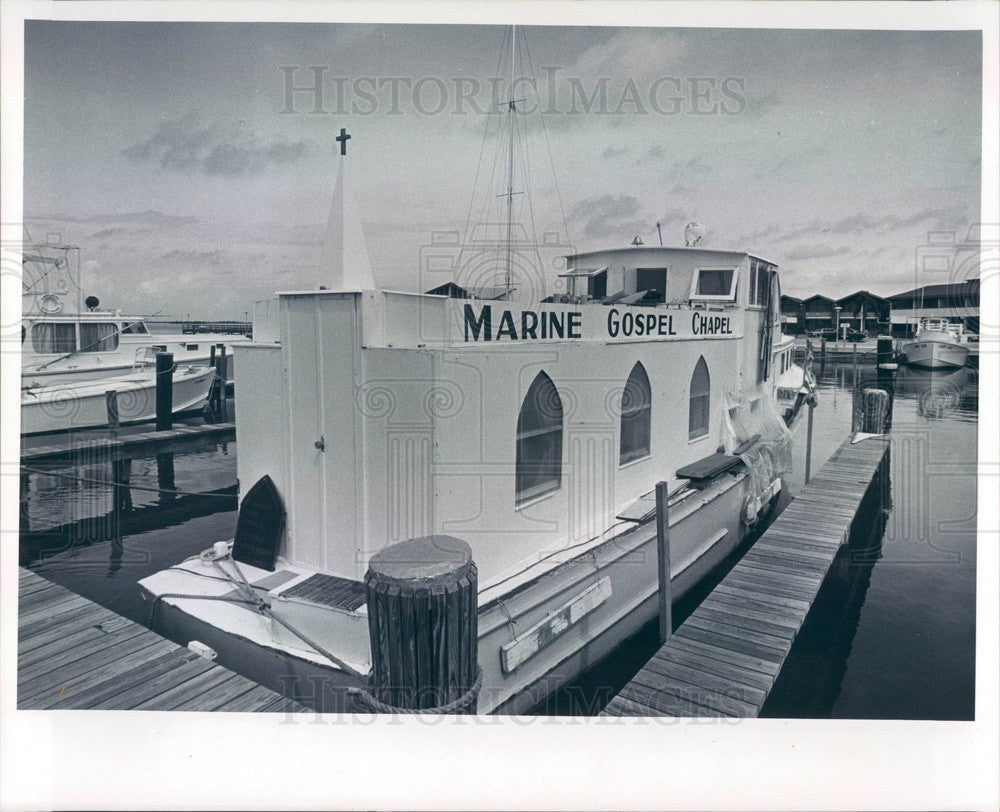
423	440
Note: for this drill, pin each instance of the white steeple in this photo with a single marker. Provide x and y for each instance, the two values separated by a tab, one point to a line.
344	254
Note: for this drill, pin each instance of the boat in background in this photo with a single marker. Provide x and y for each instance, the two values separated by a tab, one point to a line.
792	389
938	344
65	338
79	405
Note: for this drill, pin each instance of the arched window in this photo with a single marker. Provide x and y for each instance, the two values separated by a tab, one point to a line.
636	408
539	440
699	403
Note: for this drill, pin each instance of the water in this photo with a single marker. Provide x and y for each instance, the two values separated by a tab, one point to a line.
891	636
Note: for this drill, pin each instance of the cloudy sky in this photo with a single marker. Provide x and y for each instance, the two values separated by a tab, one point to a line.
174	155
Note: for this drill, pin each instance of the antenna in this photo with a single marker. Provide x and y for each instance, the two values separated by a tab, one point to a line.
659	234
511	107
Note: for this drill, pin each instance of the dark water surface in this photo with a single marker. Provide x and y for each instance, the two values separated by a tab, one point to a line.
891	636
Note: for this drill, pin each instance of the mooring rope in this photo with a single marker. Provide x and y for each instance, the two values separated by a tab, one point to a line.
106	483
463	704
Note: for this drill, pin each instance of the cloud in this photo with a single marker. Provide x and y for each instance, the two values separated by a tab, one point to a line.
606	215
633	53
862	224
149	217
212	259
654	153
186	144
801	158
682	190
816	252
688	170
759	105
614	152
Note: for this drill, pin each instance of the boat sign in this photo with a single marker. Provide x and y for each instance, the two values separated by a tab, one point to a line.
538	636
492	322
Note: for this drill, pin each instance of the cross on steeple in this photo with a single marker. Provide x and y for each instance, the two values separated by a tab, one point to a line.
343	138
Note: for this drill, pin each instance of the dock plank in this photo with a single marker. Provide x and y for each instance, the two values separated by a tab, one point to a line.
723	660
73	653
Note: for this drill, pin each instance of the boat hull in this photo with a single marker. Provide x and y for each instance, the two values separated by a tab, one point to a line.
76	406
111	366
621	572
933	353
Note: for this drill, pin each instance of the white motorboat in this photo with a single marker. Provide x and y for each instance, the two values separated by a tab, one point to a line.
83	404
937	344
65	338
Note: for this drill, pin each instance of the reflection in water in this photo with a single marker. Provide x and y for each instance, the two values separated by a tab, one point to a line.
116	518
939	393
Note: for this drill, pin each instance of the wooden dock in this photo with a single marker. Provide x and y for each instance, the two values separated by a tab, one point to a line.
724	658
126	445
73	653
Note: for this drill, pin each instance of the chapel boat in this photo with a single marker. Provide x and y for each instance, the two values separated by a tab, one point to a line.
535	432
64	341
83	404
938	344
534	427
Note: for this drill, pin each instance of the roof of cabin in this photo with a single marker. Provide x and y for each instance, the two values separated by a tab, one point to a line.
950	289
859	294
665	249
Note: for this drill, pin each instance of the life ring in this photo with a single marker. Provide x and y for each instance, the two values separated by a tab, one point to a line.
50	303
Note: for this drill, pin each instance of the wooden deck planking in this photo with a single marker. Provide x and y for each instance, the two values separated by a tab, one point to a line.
73	653
724	658
70	451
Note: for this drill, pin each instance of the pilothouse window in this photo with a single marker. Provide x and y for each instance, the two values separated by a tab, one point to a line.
652	279
53	338
99	337
636	412
539	440
714	284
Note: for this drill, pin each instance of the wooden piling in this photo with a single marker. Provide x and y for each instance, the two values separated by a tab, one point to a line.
422	621
874	410
810	404
663	560
114	422
222	371
884	351
164	391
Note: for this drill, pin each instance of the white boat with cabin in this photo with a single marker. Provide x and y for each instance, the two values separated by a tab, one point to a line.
80	405
63	340
536	432
938	344
533	427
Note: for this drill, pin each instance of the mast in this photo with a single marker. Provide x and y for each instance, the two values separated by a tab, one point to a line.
511	107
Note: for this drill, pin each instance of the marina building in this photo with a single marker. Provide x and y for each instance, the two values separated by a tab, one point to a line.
956	302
